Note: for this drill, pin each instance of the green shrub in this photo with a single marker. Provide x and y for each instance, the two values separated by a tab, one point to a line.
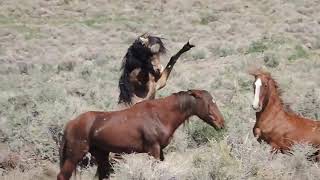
270	60
298	53
201	132
257	47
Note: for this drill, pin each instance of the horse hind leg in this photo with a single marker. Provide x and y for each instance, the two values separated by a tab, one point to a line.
66	171
73	156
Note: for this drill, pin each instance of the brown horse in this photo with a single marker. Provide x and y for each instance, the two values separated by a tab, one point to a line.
146	127
142	73
275	124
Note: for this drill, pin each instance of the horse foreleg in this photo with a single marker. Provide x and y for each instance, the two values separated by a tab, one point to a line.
257	134
163	79
104	168
155	151
161	155
315	157
161	82
152	91
274	149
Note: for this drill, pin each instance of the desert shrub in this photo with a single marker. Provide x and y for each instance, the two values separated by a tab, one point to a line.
298	53
310	105
201	133
181	141
257	47
198	54
222	52
66	66
143	167
206	18
270	60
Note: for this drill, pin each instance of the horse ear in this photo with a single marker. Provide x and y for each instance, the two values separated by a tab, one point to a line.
143	40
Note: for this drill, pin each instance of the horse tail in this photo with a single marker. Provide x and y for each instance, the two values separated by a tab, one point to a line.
62	150
62	153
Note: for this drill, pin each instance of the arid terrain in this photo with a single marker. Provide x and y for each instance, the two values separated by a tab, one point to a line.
59	58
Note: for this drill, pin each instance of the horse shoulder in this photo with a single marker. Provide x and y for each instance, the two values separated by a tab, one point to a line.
153	129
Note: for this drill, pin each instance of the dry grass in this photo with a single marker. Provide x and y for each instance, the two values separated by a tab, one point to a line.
62	57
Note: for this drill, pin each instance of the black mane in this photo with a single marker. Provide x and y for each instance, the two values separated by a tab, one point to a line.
137	56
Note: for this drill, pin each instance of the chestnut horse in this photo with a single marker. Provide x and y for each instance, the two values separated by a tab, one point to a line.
142	73
275	124
146	127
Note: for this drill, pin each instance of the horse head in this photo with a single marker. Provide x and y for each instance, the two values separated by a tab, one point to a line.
154	46
206	108
261	89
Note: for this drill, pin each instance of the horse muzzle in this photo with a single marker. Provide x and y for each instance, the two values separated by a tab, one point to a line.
256	108
217	124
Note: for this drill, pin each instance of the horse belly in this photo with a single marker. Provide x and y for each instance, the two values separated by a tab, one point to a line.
119	140
307	136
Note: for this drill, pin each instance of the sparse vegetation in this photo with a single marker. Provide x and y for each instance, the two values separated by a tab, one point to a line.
61	58
198	54
298	53
207	18
257	47
270	60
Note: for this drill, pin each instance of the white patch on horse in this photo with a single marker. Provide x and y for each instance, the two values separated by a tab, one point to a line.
161	68
255	103
96	132
155	48
143	40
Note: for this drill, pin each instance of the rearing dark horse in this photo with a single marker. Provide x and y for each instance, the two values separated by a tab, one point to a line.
146	127
142	74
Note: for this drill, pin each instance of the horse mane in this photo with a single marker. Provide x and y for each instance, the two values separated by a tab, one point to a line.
185	100
279	91
137	56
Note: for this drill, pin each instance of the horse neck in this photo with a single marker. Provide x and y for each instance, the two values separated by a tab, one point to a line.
274	105
182	109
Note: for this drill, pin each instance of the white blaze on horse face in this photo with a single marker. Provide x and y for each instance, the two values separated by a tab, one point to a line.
258	84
